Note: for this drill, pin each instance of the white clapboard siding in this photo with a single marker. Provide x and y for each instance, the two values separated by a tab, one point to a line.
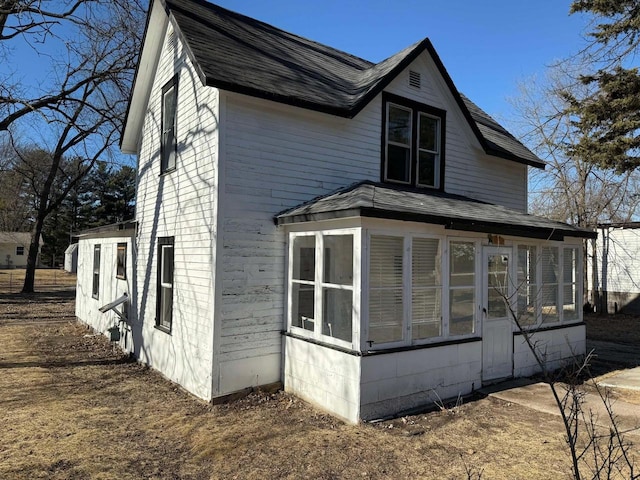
180	204
276	157
619	266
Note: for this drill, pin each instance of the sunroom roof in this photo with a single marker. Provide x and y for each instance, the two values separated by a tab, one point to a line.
455	212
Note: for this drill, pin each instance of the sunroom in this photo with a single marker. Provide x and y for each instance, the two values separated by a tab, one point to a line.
397	297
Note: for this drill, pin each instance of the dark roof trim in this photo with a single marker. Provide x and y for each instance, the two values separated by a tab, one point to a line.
448	223
619	225
114	227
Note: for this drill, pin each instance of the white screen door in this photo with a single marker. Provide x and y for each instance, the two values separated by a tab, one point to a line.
497	336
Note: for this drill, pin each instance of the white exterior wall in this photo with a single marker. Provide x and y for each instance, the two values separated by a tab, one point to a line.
110	287
393	382
618	270
181	204
274	157
323	376
555	346
8	251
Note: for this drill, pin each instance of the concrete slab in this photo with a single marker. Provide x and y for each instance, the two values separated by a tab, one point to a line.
538	397
629	379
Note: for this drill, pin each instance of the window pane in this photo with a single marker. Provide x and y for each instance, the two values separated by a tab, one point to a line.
386	289
385	268
527	287
425	262
549	290
549	303
398	163
428	133
427	168
570	302
121	259
462	307
549	265
497	286
166	306
462	264
167	265
338	259
399	126
569	264
337	308
385	315
304	258
302	306
426	316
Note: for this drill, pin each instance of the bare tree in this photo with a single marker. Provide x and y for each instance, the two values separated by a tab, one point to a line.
79	111
572	188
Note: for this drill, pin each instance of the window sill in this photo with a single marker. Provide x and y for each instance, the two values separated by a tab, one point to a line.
162	328
95	297
420	346
121	277
167	172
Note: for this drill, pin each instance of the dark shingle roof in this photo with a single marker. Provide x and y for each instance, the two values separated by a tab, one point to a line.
244	55
370	199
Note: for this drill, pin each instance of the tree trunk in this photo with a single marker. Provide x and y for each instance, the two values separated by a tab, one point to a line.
32	258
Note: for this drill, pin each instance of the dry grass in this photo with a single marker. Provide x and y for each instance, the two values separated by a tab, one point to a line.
619	328
11	281
72	407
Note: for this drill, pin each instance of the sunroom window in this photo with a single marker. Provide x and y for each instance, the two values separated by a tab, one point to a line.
426	280
570	285
527	285
549	289
462	288
321	286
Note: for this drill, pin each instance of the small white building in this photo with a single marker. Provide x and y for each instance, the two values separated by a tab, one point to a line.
106	272
616	275
14	249
71	258
354	231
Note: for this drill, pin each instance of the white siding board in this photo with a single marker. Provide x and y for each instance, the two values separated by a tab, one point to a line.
180	204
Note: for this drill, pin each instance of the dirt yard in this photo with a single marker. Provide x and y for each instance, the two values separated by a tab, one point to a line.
73	408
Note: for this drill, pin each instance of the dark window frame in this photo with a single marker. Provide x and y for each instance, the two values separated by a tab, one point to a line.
121	267
161	323
20	250
167	147
95	286
416	109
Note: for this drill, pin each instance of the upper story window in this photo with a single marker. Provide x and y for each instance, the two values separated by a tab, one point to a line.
413	137
20	250
168	146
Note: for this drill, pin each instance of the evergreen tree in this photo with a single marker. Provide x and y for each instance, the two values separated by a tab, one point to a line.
610	115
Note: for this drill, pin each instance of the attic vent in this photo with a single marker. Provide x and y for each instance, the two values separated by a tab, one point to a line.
171	41
414	79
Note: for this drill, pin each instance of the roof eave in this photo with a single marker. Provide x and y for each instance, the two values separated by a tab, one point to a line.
449	223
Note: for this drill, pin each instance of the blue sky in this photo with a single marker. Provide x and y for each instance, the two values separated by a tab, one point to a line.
487	46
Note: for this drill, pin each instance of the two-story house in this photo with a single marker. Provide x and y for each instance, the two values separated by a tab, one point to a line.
356	231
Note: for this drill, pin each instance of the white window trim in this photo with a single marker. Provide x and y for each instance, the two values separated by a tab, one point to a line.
389	142
561	246
407	282
319	284
436	170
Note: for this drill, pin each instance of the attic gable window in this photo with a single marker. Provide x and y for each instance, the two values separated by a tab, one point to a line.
168	146
413	143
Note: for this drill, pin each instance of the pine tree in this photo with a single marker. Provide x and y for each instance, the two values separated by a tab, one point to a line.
610	116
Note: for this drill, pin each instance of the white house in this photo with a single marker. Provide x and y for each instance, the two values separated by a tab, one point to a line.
14	249
616	273
348	229
71	258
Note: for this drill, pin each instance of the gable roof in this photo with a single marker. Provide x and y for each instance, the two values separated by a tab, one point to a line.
456	212
240	54
19	238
